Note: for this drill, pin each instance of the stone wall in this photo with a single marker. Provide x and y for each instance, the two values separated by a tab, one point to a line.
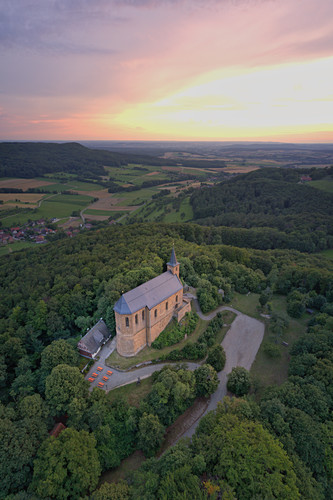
185	308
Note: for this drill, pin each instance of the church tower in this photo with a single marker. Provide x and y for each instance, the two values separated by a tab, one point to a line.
173	265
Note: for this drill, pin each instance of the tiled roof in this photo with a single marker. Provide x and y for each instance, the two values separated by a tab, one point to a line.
149	294
93	339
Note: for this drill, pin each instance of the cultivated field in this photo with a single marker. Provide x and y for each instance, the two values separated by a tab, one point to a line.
23	183
15	198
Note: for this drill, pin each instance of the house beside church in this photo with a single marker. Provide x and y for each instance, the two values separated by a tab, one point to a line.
143	313
91	343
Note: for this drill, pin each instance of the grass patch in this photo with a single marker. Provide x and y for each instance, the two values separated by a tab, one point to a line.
228	317
185	209
267	370
150	354
327	253
135	197
323	185
71	184
73	199
16	247
132	393
50	210
246	304
20	218
108	213
56	206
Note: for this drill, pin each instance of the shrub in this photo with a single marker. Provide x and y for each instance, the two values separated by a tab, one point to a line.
272	350
216	358
239	381
175	332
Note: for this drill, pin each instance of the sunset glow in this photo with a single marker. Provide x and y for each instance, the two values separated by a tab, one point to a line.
192	70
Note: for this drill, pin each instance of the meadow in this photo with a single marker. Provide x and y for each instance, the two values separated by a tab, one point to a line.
324	185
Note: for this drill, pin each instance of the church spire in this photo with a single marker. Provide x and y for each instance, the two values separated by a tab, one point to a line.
173	259
173	264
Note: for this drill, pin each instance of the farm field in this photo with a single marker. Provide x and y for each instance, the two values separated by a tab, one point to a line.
12	199
63	206
184	214
24	184
52	206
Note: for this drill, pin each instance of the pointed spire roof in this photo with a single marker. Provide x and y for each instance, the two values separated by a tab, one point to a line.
173	259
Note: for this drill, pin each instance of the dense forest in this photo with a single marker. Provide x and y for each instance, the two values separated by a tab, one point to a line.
275	203
51	294
28	159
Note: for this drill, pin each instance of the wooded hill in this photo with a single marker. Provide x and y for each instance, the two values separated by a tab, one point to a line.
29	159
53	293
297	214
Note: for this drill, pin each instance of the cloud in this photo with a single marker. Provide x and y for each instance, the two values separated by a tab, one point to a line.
108	56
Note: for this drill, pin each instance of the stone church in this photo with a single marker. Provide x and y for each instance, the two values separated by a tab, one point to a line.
143	313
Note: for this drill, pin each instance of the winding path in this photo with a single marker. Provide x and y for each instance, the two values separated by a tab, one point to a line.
241	345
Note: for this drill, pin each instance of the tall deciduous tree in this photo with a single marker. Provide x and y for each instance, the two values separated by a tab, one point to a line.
245	455
63	385
150	434
66	466
206	380
239	381
216	358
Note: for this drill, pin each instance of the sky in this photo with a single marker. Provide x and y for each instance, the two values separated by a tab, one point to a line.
166	70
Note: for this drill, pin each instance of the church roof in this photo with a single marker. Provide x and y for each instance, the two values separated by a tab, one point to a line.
149	294
96	336
173	258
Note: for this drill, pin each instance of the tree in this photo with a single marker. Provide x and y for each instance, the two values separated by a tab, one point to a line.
296	304
173	391
112	491
57	353
21	434
150	434
278	324
66	466
239	381
206	380
216	358
246	456
63	385
265	296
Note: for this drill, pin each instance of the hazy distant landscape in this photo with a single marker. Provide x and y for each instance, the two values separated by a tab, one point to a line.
68	184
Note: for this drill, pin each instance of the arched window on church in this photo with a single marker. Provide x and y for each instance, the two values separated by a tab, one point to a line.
127	322
143	315
136	319
166	306
155	313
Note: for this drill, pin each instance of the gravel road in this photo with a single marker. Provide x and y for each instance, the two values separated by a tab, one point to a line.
241	345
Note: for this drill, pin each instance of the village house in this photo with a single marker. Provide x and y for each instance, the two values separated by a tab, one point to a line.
91	343
144	312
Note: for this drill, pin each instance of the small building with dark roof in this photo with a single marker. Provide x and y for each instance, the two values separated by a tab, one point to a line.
144	312
91	343
57	429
